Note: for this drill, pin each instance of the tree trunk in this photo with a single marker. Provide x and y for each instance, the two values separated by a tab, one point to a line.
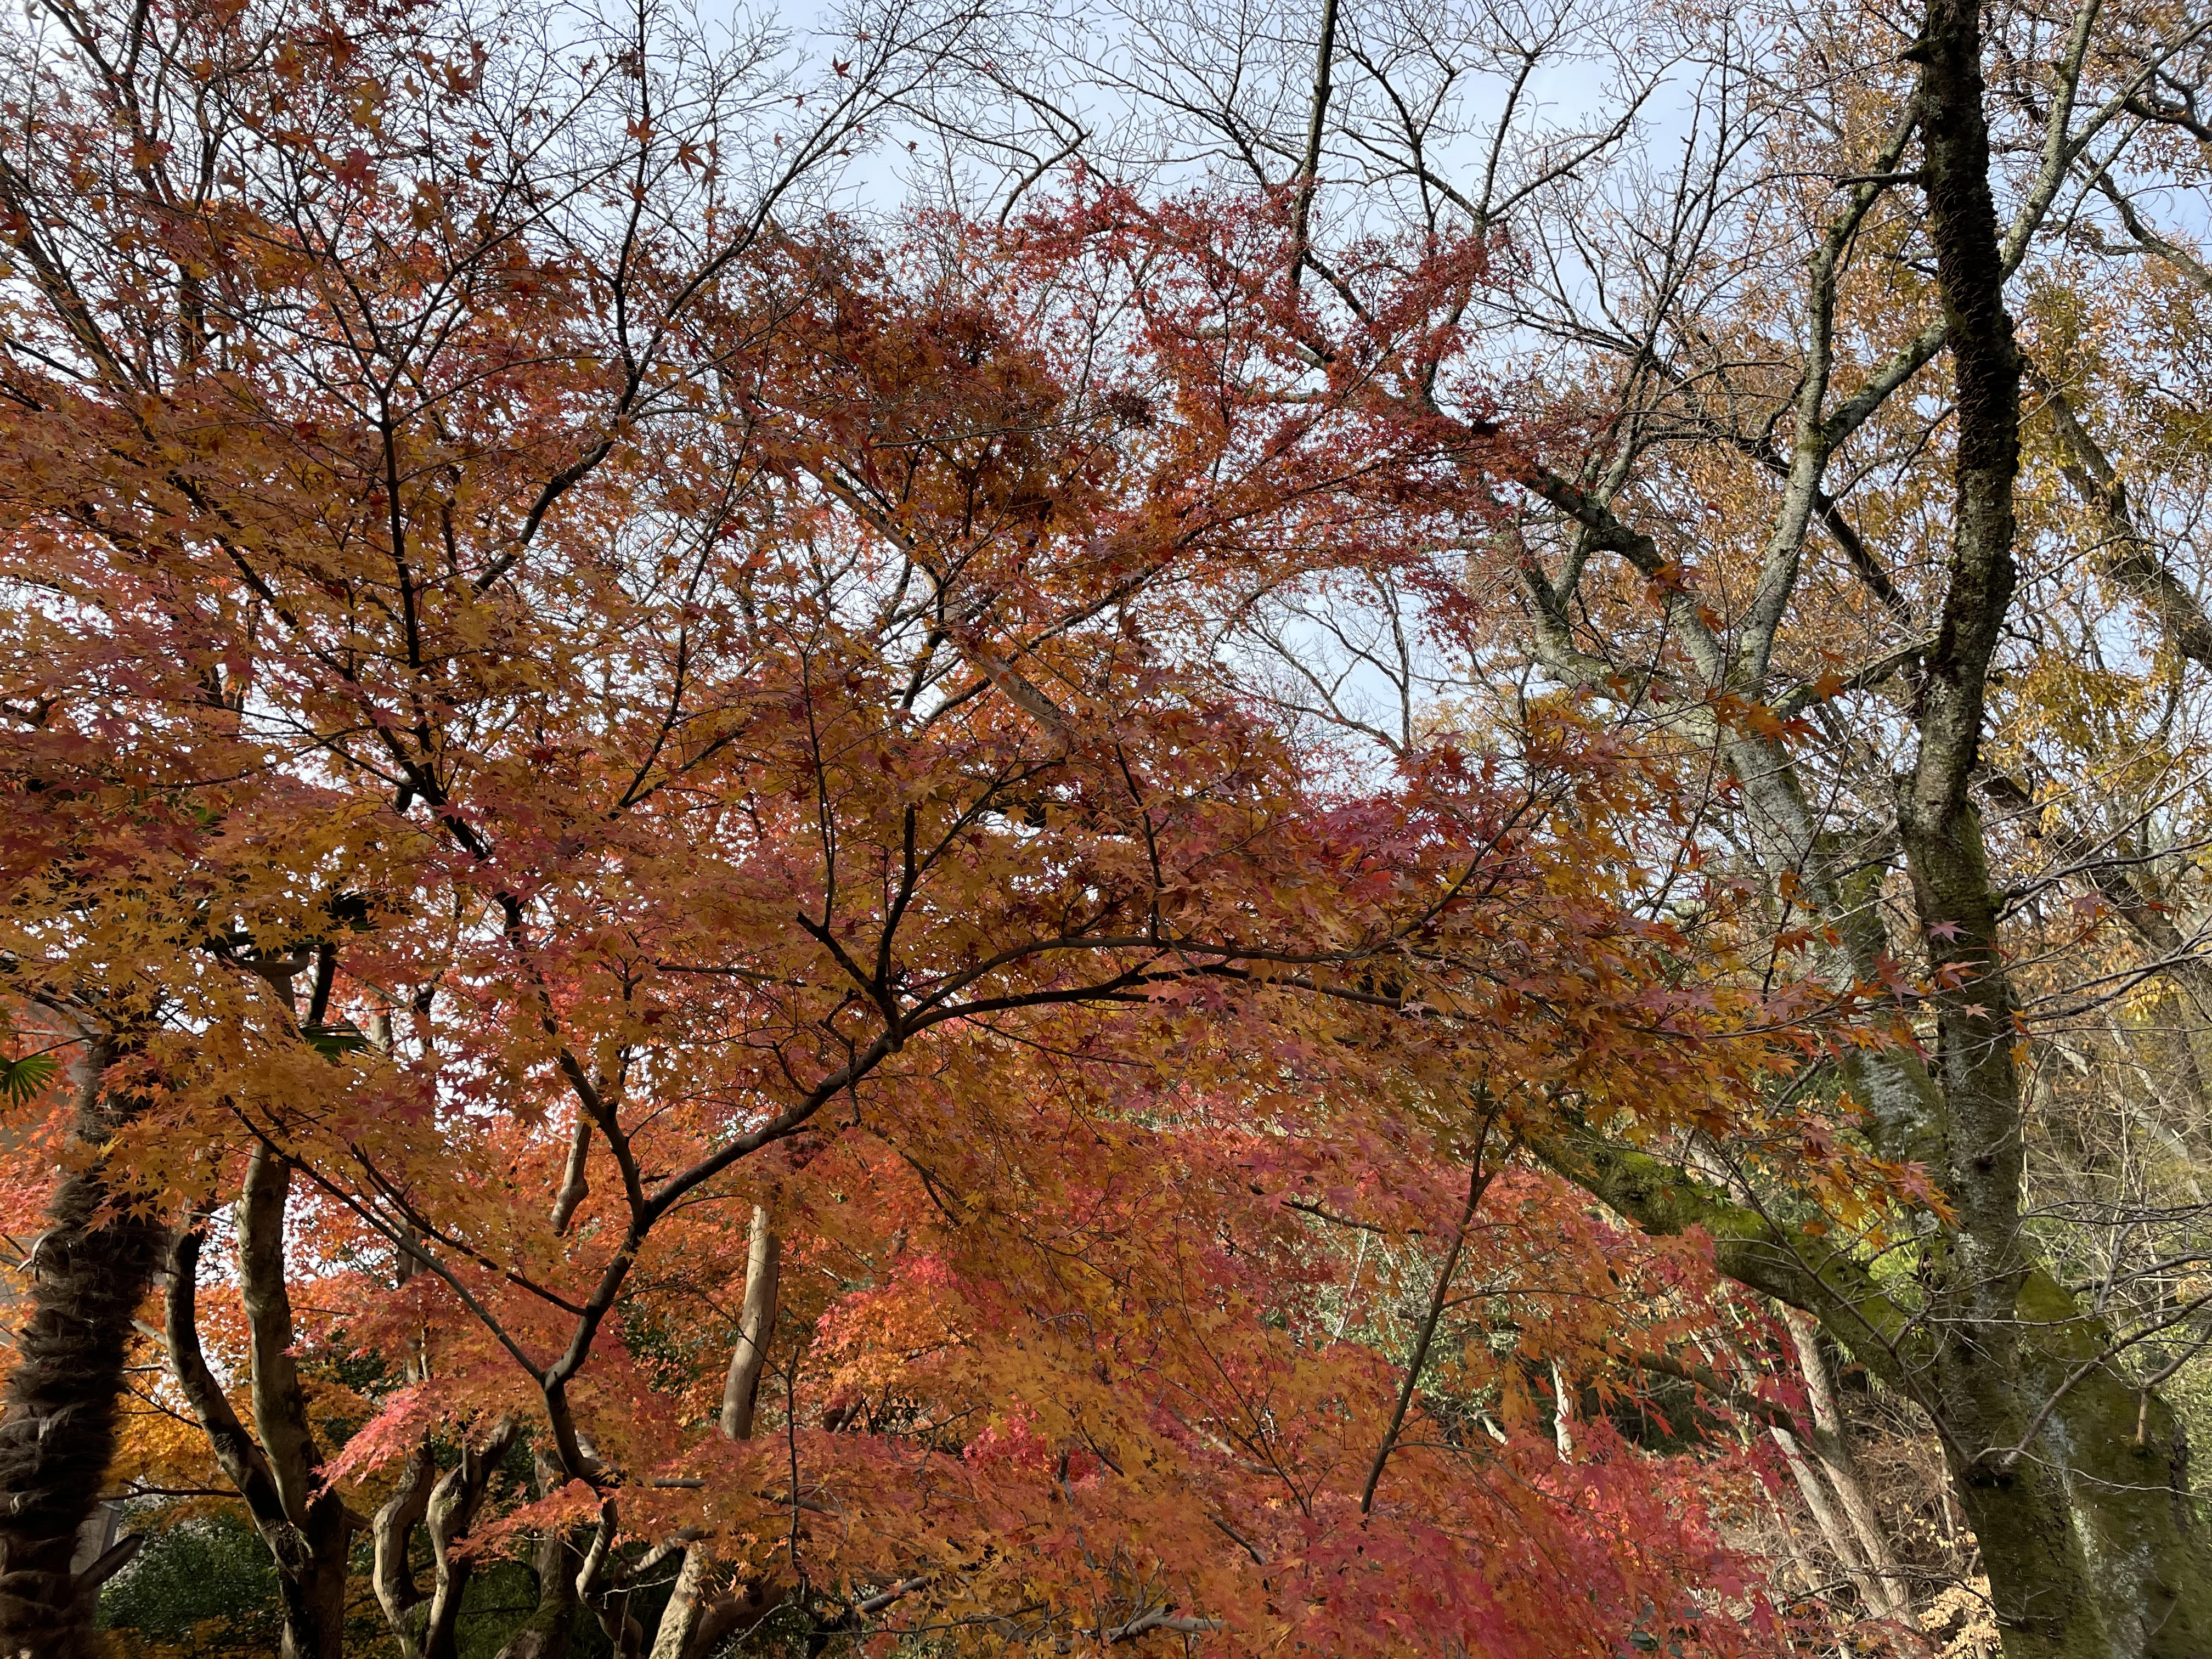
393	1530
2087	1552
547	1632
58	1430
314	1592
451	1511
1831	1444
2087	1536
678	1630
306	1528
1833	1532
756	1324
576	1185
314	1580
410	1610
693	1622
2071	1477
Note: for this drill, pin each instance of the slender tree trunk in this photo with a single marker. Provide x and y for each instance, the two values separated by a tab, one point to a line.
693	1620
1563	1416
393	1530
89	1274
1832	1529
1831	1444
319	1530
546	1634
756	1324
576	1185
410	1610
455	1503
426	1625
308	1529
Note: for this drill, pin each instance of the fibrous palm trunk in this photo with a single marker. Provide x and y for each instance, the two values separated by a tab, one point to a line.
89	1272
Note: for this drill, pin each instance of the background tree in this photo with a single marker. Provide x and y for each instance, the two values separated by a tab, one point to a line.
627	687
1749	350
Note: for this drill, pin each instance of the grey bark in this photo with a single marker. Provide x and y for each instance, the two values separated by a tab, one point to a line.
2078	1563
1837	1535
696	1617
756	1325
451	1510
392	1529
1829	1439
575	1186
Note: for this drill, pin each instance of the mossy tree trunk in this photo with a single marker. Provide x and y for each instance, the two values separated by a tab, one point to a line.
2086	1551
2072	1477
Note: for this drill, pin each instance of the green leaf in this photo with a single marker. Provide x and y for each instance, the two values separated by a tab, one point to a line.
331	1040
22	1080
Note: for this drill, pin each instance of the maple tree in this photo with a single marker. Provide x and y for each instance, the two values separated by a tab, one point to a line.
582	747
723	937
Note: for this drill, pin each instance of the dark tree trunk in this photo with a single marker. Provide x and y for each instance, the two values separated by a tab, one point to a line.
2087	1552
314	1590
547	1632
57	1432
2072	1476
307	1528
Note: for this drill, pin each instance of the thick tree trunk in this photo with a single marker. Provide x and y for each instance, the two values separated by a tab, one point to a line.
57	1432
2087	1535
2092	1549
2086	1551
2070	1476
680	1619
314	1593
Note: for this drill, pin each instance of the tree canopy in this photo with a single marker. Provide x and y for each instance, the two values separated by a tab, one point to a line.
1012	833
